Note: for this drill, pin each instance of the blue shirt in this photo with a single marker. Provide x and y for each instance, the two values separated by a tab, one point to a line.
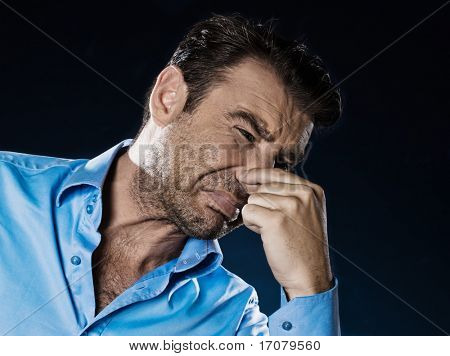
50	211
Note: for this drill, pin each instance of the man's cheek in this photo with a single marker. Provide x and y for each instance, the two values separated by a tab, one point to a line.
231	155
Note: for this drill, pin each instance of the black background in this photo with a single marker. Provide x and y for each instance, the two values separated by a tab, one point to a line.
384	167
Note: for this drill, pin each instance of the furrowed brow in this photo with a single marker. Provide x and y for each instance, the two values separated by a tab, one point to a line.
254	121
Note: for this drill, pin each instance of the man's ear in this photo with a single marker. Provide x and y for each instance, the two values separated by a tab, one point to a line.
168	96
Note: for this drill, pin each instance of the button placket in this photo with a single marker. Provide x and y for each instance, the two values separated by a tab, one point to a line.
91	205
80	283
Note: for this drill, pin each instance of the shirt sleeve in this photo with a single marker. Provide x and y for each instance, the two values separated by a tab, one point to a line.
313	315
253	322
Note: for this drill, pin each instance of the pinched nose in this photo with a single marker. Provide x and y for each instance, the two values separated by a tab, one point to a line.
264	158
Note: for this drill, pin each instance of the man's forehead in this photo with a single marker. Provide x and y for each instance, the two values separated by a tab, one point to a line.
256	89
255	84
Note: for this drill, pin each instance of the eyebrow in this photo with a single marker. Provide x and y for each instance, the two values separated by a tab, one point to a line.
254	121
258	124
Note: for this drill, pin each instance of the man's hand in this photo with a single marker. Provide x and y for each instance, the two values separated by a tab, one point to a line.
289	213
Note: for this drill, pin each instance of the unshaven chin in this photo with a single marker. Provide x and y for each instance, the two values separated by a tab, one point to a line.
187	210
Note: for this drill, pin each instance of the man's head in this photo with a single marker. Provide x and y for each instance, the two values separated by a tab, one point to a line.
234	96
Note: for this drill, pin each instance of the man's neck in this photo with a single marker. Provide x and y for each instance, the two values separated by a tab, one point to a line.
147	240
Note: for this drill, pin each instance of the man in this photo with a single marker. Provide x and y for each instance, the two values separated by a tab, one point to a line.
127	243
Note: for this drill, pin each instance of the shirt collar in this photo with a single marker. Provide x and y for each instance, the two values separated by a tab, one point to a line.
196	250
94	172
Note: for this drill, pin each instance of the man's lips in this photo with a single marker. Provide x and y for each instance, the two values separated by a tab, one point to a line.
224	202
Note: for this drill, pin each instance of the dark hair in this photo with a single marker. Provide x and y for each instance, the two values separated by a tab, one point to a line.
220	42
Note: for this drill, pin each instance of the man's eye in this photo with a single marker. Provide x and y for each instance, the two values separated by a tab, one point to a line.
247	135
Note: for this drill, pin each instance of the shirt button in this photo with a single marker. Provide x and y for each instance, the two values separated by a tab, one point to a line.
286	325
89	209
75	260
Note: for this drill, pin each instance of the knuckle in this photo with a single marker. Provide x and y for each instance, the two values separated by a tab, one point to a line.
320	190
293	203
316	187
320	194
309	192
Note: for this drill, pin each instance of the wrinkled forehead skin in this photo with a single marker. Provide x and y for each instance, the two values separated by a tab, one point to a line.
253	86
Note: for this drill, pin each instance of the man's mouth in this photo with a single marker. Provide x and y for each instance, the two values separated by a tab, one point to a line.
224	203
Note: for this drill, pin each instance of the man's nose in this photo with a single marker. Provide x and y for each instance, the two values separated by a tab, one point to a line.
261	158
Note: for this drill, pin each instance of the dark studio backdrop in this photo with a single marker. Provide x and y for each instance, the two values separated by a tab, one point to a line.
384	167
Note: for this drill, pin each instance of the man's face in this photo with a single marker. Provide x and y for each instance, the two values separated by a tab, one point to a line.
247	122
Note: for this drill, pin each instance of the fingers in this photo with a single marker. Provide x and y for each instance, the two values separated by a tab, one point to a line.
288	205
282	189
266	175
268	201
252	215
254	179
275	191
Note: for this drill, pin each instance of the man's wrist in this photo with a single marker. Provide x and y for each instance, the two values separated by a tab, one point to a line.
292	293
